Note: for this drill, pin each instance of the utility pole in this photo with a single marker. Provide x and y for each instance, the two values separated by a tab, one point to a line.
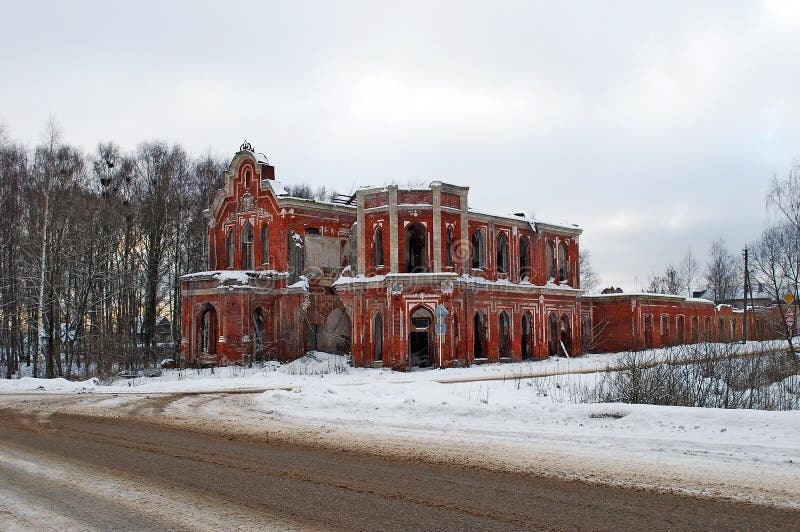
744	297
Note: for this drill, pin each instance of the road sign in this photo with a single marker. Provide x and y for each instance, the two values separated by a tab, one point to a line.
790	316
788	298
441	328
441	312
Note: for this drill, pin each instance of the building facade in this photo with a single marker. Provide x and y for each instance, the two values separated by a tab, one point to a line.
365	275
404	277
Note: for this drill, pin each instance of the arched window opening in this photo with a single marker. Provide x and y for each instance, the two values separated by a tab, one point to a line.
265	245
479	339
527	328
707	328
416	260
378	242
680	330
524	259
248	260
721	330
563	262
478	251
664	329
450	243
377	338
504	333
648	330
229	252
550	259
247	178
502	253
695	333
208	331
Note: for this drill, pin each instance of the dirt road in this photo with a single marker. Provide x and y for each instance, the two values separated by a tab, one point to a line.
70	471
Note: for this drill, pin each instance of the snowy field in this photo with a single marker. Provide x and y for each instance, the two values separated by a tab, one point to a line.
530	414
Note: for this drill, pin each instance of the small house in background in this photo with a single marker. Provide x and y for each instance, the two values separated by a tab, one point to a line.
162	334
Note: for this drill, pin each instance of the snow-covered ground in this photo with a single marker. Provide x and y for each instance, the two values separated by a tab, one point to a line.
529	414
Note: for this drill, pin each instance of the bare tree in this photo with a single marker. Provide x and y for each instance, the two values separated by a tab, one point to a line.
588	277
689	272
722	272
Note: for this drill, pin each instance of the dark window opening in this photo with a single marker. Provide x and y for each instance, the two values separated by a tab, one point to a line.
563	262
416	260
378	242
502	253
450	243
265	245
377	338
478	251
524	259
229	251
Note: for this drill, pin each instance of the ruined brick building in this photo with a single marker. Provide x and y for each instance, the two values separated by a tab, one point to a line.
401	277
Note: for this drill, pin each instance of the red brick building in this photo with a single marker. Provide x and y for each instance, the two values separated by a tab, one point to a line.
367	274
622	321
370	274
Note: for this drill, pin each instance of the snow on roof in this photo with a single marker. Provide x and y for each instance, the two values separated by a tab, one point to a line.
235	276
276	186
647	295
532	222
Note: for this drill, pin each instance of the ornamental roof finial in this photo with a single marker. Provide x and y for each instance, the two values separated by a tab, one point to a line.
246	146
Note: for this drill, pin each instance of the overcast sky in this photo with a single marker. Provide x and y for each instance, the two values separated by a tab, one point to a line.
653	126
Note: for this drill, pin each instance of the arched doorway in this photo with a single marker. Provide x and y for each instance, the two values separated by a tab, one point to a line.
479	337
259	347
504	335
421	339
527	327
565	335
207	331
552	334
416	260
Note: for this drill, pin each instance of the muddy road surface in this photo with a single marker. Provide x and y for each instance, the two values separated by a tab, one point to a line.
78	472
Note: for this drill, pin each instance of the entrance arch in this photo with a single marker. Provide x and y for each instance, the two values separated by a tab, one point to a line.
527	327
259	327
335	336
207	330
504	335
552	334
421	339
479	337
565	335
